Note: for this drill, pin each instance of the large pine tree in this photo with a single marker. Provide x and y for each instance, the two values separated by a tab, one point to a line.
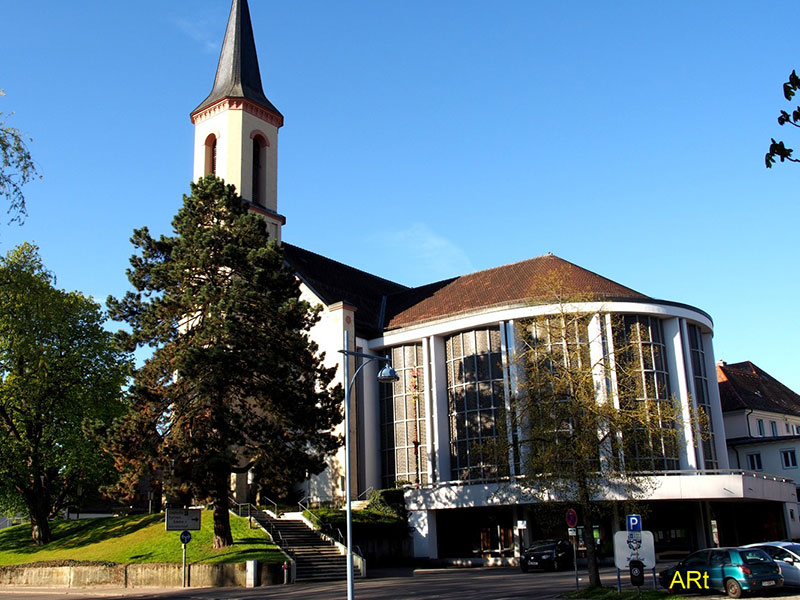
234	381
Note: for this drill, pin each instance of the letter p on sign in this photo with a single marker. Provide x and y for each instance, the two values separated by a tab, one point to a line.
634	522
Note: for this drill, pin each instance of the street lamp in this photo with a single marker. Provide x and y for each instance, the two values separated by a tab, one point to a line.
386	375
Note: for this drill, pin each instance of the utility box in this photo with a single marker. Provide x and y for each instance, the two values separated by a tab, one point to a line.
251	578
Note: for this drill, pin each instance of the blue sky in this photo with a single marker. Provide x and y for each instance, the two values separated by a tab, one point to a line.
428	139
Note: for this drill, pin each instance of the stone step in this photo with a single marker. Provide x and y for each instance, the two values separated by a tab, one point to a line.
315	557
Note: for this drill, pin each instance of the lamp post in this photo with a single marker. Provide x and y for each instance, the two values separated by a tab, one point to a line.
386	375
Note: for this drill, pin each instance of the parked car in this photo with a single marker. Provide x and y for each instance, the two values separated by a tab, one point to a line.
547	554
787	555
733	570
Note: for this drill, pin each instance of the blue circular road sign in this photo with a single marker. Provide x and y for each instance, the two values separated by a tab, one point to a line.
186	537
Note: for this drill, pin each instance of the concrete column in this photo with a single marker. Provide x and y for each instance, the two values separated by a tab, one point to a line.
371	419
507	402
687	361
441	410
613	389
518	534
430	423
676	365
423	524
515	385
792	520
717	421
597	360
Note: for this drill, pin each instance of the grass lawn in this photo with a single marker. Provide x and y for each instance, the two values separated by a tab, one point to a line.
136	539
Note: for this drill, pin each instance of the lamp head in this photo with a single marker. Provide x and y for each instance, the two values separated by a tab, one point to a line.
388	375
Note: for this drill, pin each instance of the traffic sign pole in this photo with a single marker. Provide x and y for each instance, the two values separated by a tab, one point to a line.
186	537
184	565
572	522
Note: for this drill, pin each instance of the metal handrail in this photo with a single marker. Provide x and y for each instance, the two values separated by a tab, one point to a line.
274	505
336	534
663	473
365	493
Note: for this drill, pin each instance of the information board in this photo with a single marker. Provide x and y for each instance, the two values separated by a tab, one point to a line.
183	519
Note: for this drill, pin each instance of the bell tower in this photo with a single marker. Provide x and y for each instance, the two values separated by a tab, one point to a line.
236	126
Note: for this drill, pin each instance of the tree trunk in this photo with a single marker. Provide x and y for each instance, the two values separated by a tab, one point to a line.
222	522
40	525
588	535
591	555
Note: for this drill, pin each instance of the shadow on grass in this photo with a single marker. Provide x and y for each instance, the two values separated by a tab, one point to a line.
75	534
138	556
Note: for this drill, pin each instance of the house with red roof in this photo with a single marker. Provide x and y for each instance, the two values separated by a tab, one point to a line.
762	421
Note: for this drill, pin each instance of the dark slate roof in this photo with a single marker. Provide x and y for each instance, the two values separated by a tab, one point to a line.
745	386
528	281
238	75
336	282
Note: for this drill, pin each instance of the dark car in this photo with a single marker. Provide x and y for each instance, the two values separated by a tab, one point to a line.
547	554
733	570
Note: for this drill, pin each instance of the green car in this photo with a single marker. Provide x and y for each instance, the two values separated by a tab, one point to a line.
733	570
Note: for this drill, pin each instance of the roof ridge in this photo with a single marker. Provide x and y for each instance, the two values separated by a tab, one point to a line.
527	260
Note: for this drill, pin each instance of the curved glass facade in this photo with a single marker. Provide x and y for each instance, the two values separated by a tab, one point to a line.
642	377
476	401
403	420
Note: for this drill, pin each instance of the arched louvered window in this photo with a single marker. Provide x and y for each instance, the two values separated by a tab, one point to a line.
259	178
210	155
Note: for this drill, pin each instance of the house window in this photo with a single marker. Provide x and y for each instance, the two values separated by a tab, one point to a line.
791	514
773	427
760	425
789	459
754	461
788	428
797	429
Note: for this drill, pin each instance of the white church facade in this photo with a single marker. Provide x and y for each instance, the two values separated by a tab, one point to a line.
454	345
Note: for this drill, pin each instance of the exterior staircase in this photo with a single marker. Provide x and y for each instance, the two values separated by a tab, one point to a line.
316	558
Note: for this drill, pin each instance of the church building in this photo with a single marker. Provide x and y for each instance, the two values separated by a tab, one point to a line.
454	344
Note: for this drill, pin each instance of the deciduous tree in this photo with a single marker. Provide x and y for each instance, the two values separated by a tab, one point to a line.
779	149
591	424
16	167
234	382
60	387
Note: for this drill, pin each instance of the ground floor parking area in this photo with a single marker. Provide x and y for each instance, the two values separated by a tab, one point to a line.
388	584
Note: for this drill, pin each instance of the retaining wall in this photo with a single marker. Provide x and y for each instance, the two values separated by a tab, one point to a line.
138	576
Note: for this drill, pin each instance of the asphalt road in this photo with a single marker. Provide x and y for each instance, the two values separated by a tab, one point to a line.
390	584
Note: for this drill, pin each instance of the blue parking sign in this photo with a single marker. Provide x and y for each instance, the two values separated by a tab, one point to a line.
634	522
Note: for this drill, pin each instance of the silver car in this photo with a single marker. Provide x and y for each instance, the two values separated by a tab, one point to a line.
787	556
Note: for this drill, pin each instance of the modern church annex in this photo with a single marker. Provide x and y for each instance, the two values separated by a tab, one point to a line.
454	342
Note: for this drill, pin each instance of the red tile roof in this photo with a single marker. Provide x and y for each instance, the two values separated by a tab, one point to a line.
528	281
384	305
745	386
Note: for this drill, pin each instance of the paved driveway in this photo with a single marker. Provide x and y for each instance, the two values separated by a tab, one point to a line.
390	584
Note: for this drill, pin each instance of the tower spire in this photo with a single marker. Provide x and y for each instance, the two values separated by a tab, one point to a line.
238	75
